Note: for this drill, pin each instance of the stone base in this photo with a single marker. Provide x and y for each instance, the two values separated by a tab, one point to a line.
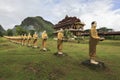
56	54
90	65
45	50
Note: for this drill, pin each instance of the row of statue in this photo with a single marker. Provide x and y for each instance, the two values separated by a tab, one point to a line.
32	41
28	40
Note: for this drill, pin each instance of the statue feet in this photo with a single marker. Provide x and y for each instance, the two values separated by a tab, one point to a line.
92	61
35	46
43	49
60	54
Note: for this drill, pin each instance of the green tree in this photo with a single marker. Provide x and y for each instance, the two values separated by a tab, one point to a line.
20	30
32	32
87	30
104	29
67	34
1	33
9	32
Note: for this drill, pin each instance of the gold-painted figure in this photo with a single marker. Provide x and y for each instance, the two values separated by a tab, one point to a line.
60	36
35	38
29	37
24	39
44	39
94	38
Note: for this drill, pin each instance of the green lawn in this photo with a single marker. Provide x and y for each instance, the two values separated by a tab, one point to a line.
25	63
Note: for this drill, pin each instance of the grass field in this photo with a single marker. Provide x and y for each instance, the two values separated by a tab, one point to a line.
25	63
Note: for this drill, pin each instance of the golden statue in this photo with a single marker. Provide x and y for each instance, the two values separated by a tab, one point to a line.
44	39
94	38
19	39
29	37
13	39
60	36
35	38
24	39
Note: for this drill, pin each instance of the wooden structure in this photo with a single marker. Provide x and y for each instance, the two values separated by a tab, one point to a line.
72	24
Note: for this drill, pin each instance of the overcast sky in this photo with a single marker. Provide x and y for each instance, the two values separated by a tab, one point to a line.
105	12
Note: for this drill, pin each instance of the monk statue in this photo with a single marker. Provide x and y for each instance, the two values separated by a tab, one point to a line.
19	39
29	37
60	36
35	38
24	39
94	38
44	39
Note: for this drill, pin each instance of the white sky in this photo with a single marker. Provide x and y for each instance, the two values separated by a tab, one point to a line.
105	12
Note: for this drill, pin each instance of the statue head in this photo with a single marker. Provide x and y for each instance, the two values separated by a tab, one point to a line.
61	30
35	33
24	34
94	24
44	31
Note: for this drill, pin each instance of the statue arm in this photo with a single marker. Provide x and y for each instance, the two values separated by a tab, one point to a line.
94	34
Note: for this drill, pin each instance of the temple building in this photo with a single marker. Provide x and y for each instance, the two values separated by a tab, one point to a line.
72	24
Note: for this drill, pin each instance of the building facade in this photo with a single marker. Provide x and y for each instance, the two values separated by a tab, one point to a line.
72	24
